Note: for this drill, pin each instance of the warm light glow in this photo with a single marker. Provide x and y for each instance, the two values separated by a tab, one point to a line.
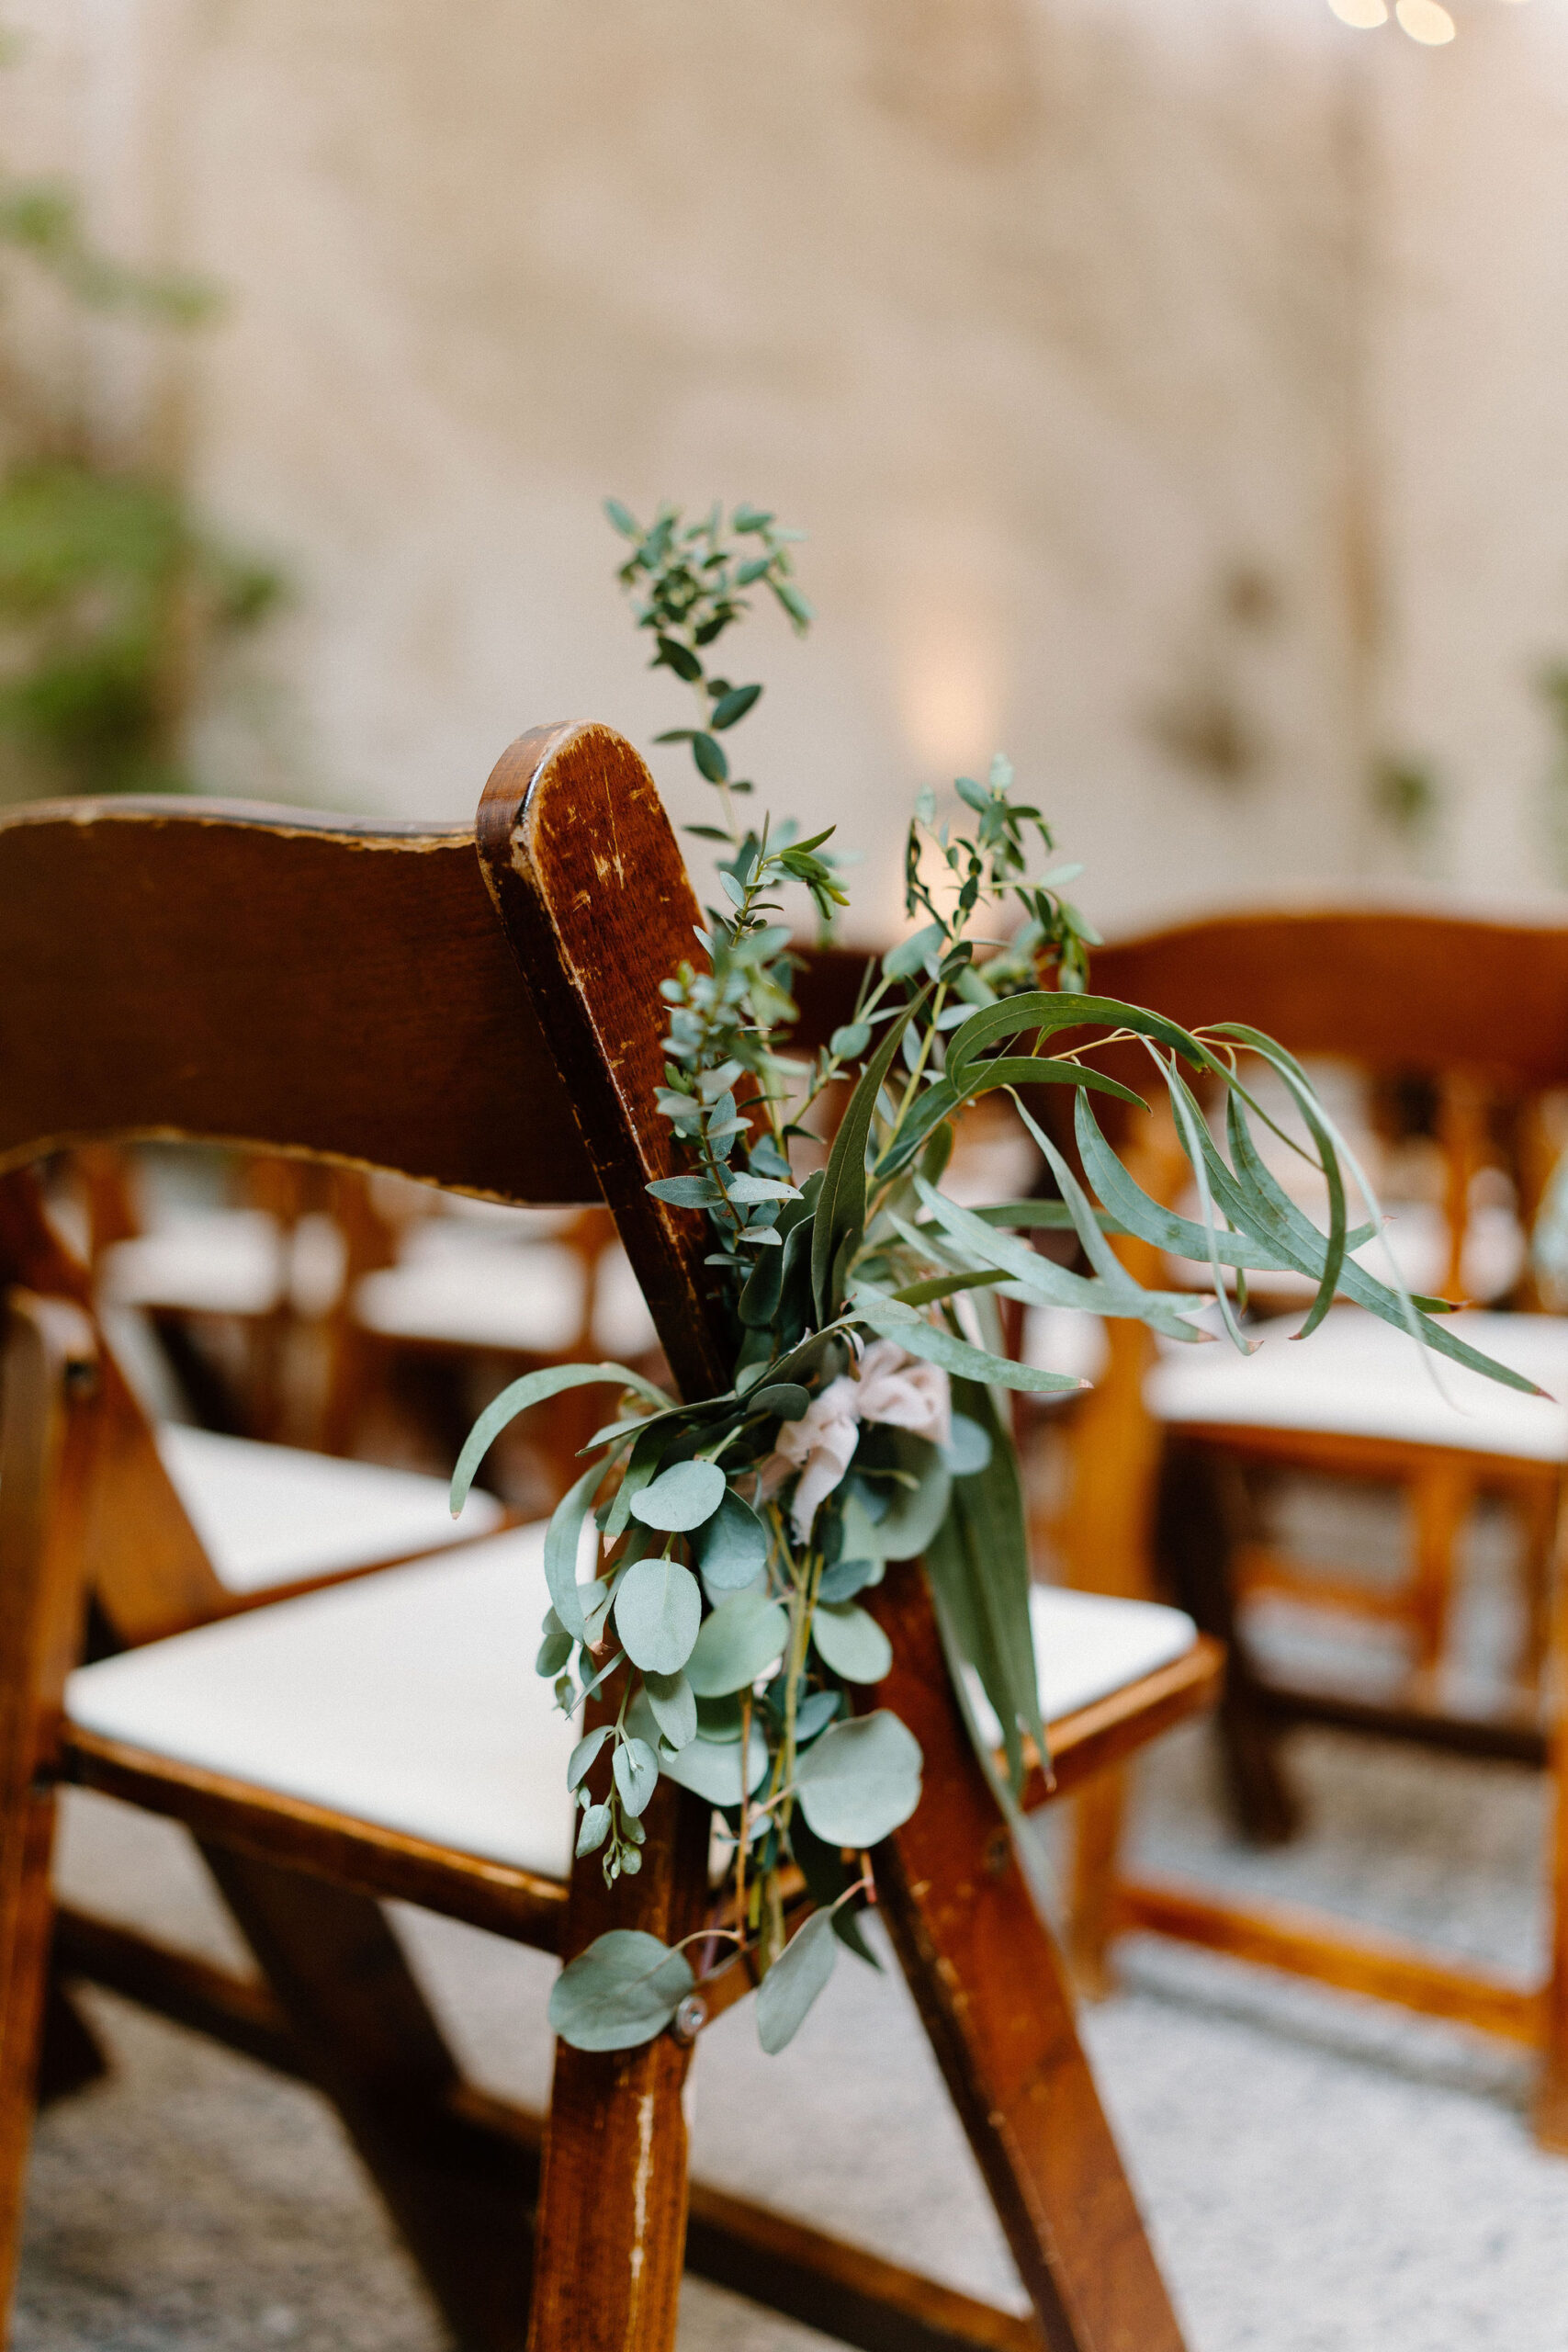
1424	21
1363	13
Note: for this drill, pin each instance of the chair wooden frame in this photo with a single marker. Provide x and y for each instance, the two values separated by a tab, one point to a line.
1481	1010
537	1034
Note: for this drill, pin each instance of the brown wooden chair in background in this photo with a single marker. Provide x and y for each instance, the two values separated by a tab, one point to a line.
1459	1031
490	1023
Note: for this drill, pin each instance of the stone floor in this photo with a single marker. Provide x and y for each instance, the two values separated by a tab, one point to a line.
1321	2174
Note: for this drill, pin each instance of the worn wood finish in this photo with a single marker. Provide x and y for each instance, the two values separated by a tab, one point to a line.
592	893
1310	1943
591	889
994	1999
45	1458
393	965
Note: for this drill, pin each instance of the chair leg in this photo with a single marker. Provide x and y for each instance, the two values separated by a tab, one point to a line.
1551	2099
70	2055
49	1433
1099	1813
610	2242
1441	1496
993	1996
1195	1541
462	2200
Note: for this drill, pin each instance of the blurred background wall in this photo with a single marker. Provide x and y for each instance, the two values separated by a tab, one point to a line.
1171	388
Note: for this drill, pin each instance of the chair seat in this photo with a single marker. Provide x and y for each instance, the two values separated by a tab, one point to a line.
1357	1377
474	1292
213	1261
409	1700
272	1515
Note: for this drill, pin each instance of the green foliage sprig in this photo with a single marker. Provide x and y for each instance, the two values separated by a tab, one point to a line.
864	1425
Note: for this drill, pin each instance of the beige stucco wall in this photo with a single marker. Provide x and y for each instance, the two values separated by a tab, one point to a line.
1063	325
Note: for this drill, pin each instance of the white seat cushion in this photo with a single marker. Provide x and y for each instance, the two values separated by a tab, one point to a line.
1358	1376
462	1287
1087	1645
271	1515
207	1261
409	1700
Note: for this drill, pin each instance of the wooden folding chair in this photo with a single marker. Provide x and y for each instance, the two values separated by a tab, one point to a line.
1472	1017
385	998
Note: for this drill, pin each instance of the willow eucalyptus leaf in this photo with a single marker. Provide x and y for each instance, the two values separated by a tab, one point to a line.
793	1983
840	1205
861	1780
738	1642
1046	1012
594	1829
938	1346
563	1540
619	1993
534	1388
851	1643
659	1608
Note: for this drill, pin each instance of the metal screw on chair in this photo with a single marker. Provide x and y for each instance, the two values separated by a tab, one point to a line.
690	2019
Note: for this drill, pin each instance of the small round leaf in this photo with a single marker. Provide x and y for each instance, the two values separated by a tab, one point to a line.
732	1549
636	1775
621	1991
658	1610
795	1980
681	1498
861	1780
784	1397
851	1643
674	1707
744	1636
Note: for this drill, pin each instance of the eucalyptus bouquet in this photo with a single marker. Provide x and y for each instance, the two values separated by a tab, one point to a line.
733	1537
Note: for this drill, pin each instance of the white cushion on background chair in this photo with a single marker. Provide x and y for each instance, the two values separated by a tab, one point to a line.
465	1288
409	1700
1087	1645
271	1515
1358	1376
206	1261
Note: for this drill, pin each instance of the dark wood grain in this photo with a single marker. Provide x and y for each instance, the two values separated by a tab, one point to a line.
356	1000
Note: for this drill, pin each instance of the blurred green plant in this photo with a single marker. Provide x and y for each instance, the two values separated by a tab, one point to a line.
114	599
1404	796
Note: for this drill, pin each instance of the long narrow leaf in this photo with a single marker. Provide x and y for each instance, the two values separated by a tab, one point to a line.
1135	1210
1268	1205
1047	1012
1196	1142
533	1389
913	1332
840	1205
1054	1285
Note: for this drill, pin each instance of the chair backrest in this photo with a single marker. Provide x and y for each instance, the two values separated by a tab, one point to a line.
1477	1009
477	1009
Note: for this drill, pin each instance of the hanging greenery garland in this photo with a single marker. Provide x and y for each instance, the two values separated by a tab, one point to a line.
731	1538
